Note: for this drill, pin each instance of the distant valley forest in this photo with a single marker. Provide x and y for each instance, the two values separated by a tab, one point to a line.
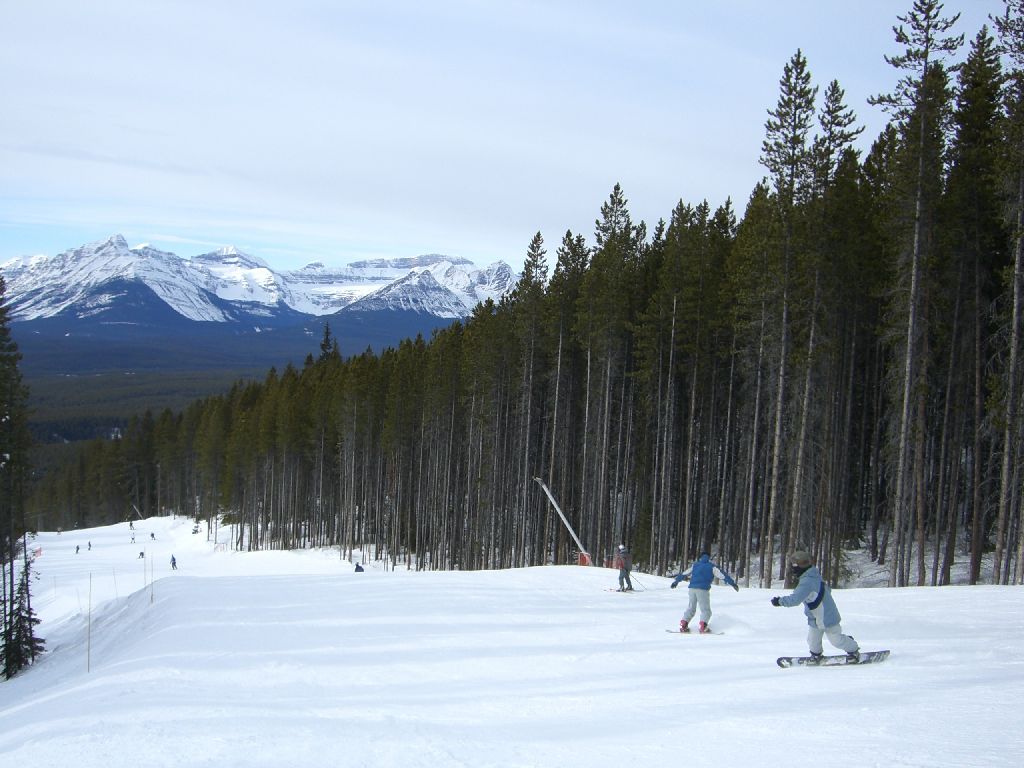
835	366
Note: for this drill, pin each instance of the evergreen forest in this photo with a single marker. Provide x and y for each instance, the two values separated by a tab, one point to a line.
835	366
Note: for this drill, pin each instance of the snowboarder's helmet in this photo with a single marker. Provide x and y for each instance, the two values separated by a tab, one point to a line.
800	557
622	547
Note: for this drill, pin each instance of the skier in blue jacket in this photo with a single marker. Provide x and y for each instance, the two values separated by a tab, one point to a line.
700	575
822	614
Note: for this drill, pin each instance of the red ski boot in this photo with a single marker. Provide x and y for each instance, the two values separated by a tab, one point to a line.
684	625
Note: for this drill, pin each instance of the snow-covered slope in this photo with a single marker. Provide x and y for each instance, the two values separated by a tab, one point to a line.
226	284
290	659
418	291
321	290
237	276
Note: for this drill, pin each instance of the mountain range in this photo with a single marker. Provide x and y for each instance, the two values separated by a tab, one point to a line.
110	306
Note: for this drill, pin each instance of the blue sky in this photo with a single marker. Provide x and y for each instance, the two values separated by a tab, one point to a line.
325	130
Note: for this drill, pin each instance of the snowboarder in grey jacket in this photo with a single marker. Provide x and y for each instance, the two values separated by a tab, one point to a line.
700	575
823	618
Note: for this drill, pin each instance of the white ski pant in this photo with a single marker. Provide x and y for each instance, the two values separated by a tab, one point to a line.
835	636
702	598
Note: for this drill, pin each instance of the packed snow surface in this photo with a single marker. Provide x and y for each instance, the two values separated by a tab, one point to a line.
293	659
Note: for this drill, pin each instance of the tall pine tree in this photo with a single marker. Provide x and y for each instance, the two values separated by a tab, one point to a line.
18	639
788	156
913	105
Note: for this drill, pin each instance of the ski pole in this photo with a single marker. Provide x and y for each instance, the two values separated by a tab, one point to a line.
635	580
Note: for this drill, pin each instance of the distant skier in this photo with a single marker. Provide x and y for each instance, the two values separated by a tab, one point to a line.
822	614
76	549
142	554
174	563
624	562
90	546
700	575
359	568
152	536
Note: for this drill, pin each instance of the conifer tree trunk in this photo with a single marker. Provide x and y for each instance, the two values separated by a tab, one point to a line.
775	479
548	522
603	500
525	475
725	470
920	506
801	524
953	504
873	384
751	498
585	468
688	480
1009	417
903	435
666	432
942	487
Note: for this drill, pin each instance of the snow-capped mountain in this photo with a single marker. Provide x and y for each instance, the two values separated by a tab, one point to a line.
237	276
416	292
441	289
98	279
89	280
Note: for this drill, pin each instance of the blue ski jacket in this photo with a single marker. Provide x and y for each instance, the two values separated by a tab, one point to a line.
816	596
701	574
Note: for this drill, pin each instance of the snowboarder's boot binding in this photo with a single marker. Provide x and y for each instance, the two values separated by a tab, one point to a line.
816	657
684	625
852	657
704	628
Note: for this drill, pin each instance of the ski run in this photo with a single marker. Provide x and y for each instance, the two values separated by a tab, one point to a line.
290	658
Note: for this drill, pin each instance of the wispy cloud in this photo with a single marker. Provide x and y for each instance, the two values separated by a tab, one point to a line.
398	126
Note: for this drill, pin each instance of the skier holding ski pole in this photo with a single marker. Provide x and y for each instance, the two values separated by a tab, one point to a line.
624	562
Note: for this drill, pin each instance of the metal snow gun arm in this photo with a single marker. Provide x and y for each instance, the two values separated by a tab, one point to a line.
584	555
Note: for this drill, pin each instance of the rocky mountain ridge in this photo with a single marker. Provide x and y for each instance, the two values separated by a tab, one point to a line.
228	285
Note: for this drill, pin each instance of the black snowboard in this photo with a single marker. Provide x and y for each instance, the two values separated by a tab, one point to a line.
866	657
